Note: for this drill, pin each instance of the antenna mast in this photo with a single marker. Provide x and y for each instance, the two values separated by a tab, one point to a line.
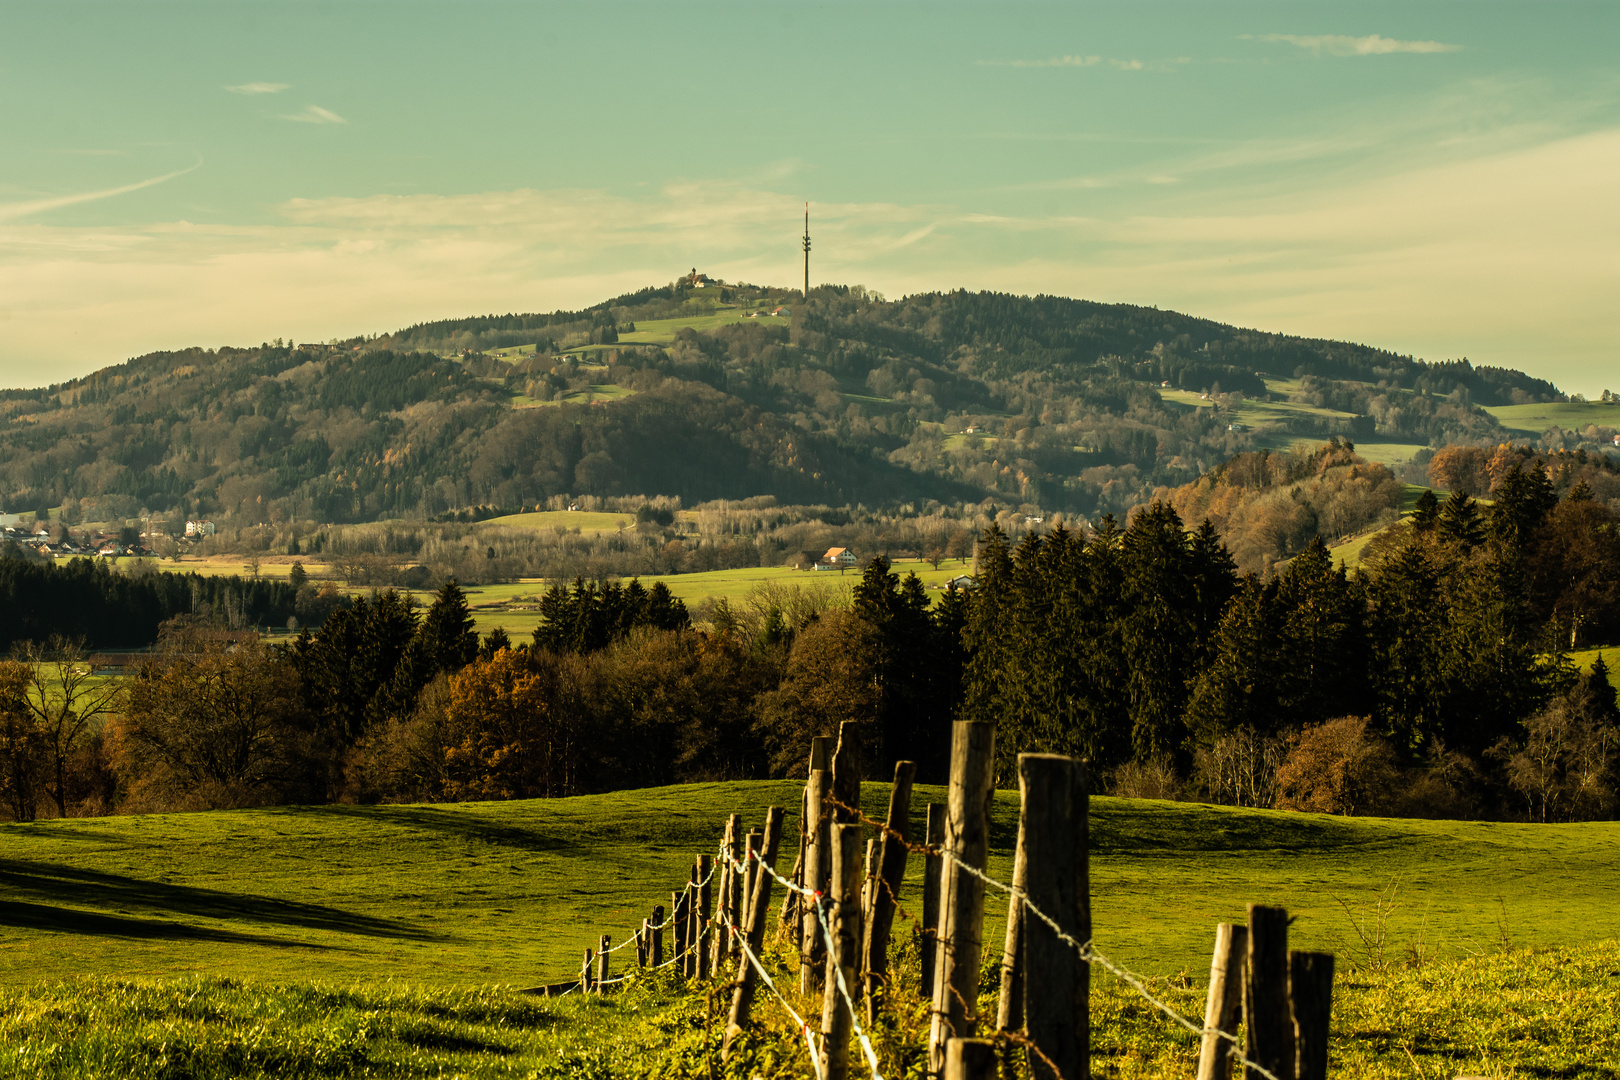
807	253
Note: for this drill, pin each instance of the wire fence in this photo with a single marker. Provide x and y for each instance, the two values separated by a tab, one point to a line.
836	983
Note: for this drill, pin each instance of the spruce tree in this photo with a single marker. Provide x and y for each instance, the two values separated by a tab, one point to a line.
1426	513
1459	522
447	632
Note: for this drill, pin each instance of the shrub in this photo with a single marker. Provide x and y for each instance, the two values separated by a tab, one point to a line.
1337	767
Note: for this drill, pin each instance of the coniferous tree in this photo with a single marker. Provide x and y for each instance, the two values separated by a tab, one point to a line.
1459	522
1426	513
1157	633
447	629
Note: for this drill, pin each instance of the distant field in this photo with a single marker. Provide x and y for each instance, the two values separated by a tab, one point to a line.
514	607
1535	419
662	331
583	520
474	893
1253	412
596	392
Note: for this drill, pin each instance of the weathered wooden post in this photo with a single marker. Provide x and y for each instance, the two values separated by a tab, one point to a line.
817	863
890	873
677	929
1010	1002
602	962
1266	1011
792	917
1310	987
846	774
751	872
961	922
585	973
869	870
731	849
970	1059
1055	852
933	866
705	909
640	935
656	928
845	919
759	906
1224	1002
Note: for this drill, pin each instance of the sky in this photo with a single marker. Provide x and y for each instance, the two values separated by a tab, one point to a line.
1441	179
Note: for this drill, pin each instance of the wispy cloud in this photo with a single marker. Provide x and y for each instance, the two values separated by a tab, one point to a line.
258	88
1344	45
314	114
1072	62
11	211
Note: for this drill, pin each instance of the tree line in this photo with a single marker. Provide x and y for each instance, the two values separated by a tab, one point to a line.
1434	680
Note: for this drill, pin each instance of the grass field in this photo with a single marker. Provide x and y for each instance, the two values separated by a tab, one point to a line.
466	894
594	393
1534	419
309	940
583	520
513	607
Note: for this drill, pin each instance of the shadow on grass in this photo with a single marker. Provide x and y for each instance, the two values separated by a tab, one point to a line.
25	916
96	888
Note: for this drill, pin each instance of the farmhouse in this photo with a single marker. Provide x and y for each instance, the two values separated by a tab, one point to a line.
836	559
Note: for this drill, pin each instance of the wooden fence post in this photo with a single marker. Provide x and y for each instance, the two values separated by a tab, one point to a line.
792	917
640	935
890	874
845	924
657	931
1310	988
817	865
602	961
846	774
731	848
970	1059
1057	980
932	867
1266	1012
705	909
750	877
961	901
1224	1002
1010	1003
759	907
677	935
585	973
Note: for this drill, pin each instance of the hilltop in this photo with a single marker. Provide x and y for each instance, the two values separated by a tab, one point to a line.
730	392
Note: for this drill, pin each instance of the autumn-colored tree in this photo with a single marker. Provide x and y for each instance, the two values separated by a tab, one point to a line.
212	721
1337	767
1460	468
68	705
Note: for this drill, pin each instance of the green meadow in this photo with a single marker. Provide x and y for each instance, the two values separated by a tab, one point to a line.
383	941
1532	420
474	893
514	607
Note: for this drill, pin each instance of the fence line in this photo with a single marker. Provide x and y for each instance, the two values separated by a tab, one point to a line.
723	919
827	934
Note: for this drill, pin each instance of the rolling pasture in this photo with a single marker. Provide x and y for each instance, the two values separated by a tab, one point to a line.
473	893
1532	420
336	941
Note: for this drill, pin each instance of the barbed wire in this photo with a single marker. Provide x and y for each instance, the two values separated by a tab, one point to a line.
1086	950
838	971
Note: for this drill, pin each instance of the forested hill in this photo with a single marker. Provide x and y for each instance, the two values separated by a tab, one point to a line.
723	392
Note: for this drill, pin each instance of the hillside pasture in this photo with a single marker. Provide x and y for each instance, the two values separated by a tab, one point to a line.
585	521
515	607
474	893
1533	420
